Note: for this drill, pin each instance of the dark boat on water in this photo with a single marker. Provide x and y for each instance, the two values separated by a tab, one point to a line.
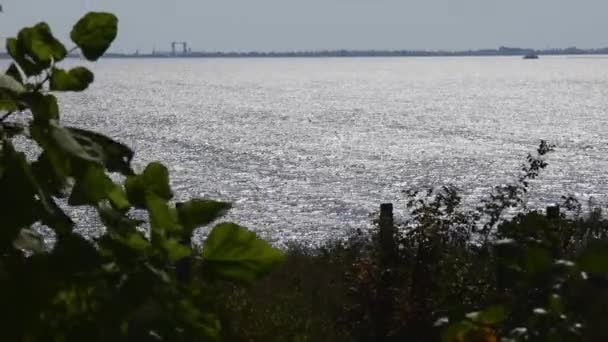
531	56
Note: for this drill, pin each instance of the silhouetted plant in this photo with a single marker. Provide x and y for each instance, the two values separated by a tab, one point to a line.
138	281
504	197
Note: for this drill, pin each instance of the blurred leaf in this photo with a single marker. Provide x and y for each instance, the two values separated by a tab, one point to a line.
136	191
62	137
117	220
49	177
18	53
95	186
13	71
556	304
162	219
53	157
39	44
76	79
156	178
136	241
51	214
7	104
44	107
594	258
490	316
198	212
123	239
175	250
30	241
73	254
94	33
118	198
116	156
232	252
17	198
537	260
458	332
9	83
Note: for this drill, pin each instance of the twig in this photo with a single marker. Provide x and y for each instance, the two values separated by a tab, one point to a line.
5	116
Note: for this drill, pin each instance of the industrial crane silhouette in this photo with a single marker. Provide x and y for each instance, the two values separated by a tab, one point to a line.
184	48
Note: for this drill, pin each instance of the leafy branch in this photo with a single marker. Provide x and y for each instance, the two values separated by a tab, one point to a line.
140	280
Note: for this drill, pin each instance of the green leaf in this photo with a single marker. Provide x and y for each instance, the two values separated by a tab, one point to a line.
62	137
18	53
116	156
156	178
118	198
91	188
198	212
117	220
73	254
7	104
458	331
9	83
17	198
52	156
163	220
76	79
30	241
556	304
175	250
95	186
490	316
233	253
27	183
537	260
43	107
13	71
136	241
94	33
39	44
594	258
136	191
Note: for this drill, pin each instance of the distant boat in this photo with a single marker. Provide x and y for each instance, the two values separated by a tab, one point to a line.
531	56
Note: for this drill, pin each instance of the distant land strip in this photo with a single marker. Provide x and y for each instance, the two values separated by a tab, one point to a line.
502	51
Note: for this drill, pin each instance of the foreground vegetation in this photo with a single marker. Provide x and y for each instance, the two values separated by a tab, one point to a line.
139	280
499	271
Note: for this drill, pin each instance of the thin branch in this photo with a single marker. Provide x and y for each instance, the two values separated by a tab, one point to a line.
5	116
39	85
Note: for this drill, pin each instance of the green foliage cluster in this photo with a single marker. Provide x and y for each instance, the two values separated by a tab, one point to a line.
500	272
139	280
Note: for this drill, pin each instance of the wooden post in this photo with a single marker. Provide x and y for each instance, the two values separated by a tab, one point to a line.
387	232
553	212
388	255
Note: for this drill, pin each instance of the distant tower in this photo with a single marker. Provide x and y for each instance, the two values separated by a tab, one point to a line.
184	48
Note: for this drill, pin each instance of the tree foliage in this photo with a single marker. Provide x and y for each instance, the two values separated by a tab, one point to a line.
139	280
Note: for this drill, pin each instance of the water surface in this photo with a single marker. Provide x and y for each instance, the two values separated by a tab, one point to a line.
308	148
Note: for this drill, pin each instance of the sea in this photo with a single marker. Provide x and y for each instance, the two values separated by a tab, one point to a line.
307	149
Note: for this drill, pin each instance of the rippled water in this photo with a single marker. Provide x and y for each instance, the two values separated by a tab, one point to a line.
308	148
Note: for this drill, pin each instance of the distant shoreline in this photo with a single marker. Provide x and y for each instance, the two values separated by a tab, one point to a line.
502	51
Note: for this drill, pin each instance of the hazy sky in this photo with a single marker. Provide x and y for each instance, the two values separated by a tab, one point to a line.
328	24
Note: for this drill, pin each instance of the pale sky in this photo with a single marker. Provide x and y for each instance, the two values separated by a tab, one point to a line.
266	25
